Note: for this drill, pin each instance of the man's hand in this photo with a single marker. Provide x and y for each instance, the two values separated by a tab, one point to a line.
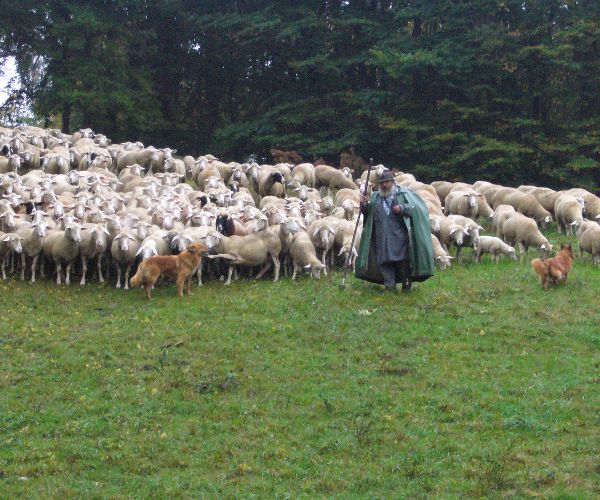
397	209
363	200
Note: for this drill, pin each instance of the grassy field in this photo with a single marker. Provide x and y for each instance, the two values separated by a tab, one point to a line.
477	383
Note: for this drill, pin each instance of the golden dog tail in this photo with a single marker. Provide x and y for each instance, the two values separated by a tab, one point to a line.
137	278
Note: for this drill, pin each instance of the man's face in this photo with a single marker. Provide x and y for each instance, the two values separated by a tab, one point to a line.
386	187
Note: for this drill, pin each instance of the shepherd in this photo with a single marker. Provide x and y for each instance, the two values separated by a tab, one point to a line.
396	241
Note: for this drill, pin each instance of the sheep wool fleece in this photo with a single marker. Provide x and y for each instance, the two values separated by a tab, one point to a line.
420	247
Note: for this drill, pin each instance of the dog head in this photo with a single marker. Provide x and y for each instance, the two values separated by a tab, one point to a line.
198	249
568	249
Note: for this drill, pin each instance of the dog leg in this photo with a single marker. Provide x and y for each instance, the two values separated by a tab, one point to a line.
180	285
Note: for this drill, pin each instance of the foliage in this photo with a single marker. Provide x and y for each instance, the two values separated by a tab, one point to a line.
501	89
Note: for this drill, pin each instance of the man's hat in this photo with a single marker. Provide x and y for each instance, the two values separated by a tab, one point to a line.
386	175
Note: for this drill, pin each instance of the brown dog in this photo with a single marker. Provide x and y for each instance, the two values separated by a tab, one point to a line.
555	269
182	267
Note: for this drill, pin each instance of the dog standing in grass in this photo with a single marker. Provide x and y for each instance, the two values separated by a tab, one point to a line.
556	269
182	267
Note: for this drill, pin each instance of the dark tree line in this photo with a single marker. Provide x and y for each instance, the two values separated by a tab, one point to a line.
504	90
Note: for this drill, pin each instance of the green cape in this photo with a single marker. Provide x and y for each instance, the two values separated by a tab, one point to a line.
420	248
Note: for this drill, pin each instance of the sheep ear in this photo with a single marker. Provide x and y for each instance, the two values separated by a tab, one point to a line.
6	237
140	250
307	266
105	231
341	251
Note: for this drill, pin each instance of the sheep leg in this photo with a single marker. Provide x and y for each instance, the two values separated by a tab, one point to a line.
83	270
99	266
4	269
295	271
277	267
458	256
68	274
199	275
118	274
228	282
265	268
23	266
33	266
127	272
12	263
324	261
43	267
58	272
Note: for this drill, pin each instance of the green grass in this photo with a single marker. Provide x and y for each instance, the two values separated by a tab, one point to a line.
478	383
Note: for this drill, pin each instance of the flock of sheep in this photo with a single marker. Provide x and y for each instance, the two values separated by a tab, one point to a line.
69	199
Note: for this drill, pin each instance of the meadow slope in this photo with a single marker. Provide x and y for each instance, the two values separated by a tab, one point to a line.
478	383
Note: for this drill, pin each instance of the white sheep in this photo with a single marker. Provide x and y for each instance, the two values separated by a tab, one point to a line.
62	247
93	245
588	238
522	232
495	247
9	242
32	235
569	213
304	255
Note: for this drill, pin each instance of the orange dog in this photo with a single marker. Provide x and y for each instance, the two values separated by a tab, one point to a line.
182	267
555	269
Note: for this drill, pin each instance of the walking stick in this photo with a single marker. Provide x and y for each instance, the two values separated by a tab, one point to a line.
349	256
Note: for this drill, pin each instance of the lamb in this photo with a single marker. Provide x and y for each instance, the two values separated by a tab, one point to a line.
569	213
332	178
123	250
32	238
62	246
522	232
588	237
303	174
9	242
304	255
442	258
255	249
494	246
93	245
528	205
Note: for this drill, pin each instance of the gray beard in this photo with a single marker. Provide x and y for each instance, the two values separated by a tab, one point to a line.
386	192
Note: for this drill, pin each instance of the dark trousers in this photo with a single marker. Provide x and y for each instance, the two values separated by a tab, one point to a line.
395	272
